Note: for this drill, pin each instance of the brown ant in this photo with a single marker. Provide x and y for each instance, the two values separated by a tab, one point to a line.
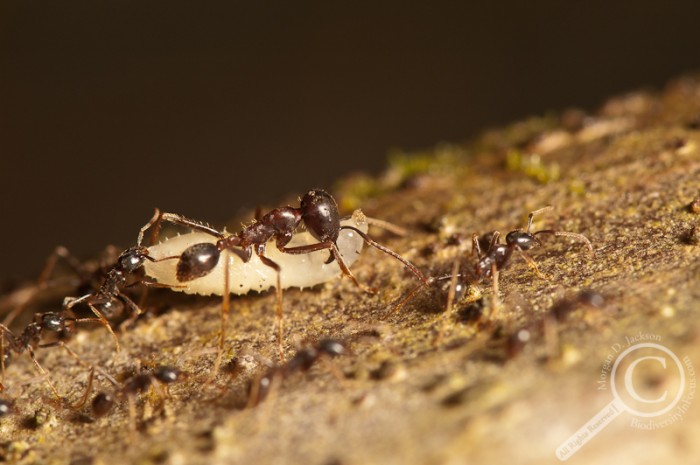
318	212
164	375
302	361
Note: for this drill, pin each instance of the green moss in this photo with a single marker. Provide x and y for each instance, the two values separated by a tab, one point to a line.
532	166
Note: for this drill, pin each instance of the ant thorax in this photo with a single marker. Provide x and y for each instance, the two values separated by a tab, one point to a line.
296	270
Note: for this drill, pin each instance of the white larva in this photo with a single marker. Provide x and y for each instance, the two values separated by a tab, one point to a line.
303	270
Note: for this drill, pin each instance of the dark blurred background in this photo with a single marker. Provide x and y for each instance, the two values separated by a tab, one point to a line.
110	108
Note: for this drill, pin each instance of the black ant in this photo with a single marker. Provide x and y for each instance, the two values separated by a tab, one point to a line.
61	325
498	255
496	258
164	375
302	361
106	301
318	212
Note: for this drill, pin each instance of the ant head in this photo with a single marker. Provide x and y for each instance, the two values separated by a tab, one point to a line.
332	347
132	258
320	214
102	404
197	261
524	240
52	321
5	407
167	374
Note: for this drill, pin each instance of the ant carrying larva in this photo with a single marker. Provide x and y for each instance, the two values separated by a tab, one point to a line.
268	253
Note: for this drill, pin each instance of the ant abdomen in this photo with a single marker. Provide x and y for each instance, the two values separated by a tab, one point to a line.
197	261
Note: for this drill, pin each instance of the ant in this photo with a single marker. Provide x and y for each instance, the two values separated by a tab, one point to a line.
498	255
318	213
302	361
163	375
105	301
496	258
63	329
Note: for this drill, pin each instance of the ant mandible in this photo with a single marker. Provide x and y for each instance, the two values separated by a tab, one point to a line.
318	212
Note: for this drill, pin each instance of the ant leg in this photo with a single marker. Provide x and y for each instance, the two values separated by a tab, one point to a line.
156	284
106	324
530	261
136	311
476	248
155	220
132	416
302	249
450	302
131	304
494	240
83	400
3	331
260	251
346	271
405	299
496	301
59	252
43	372
390	252
41	283
225	311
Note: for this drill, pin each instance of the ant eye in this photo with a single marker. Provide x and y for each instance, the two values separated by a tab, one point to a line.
197	261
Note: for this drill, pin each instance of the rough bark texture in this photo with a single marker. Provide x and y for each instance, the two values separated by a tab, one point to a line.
424	385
